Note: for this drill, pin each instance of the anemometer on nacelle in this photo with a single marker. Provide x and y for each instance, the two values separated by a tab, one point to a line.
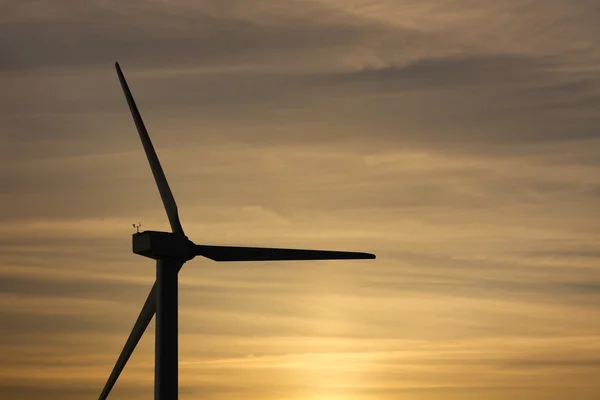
137	227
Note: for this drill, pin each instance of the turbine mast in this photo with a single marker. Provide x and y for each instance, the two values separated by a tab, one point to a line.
166	377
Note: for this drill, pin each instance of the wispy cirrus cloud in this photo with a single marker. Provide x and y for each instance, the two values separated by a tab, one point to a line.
455	140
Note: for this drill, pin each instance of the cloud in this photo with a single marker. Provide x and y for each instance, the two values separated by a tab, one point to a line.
190	33
457	142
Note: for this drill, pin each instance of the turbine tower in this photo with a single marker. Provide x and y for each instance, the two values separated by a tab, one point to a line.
171	250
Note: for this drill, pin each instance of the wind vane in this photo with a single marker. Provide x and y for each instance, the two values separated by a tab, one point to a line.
137	227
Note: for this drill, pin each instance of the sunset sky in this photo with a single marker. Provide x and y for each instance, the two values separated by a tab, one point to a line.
457	140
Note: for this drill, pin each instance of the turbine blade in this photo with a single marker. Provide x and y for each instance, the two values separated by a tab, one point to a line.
148	311
232	253
159	175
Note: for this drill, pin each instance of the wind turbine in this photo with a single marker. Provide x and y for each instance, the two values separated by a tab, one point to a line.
171	250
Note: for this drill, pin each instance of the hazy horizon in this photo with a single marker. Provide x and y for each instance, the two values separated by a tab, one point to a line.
456	140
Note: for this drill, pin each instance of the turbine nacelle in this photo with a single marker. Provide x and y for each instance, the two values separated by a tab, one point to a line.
158	245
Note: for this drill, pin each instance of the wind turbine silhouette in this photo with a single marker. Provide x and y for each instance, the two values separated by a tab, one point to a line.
171	250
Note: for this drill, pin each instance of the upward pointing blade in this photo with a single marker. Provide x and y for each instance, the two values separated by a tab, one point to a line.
159	175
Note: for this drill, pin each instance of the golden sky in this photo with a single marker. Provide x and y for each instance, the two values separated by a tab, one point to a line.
457	140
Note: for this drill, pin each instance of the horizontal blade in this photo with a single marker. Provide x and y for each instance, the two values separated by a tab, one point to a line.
159	176
232	253
136	333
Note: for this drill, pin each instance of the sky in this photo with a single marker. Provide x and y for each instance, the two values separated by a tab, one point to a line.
457	140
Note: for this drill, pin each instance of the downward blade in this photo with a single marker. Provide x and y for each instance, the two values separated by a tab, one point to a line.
140	326
233	253
159	176
148	311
